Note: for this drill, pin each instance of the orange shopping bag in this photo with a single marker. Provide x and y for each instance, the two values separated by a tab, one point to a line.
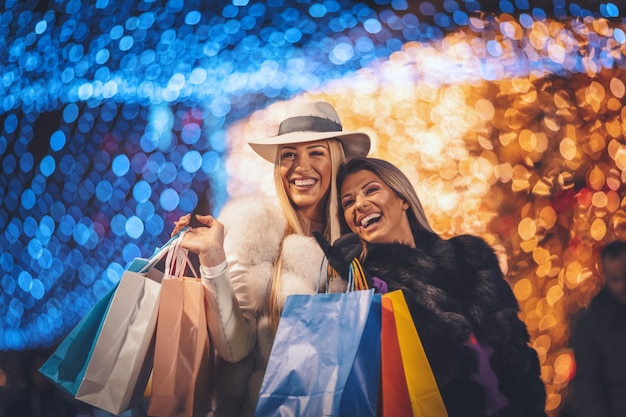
183	356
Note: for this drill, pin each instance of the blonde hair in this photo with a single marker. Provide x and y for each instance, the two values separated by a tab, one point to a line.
396	180
332	227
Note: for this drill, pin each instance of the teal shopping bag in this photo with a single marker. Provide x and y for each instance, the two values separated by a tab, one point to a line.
67	365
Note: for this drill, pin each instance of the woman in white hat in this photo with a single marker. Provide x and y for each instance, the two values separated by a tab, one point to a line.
260	252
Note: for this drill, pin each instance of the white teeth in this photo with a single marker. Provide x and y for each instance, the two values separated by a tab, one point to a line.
367	219
304	183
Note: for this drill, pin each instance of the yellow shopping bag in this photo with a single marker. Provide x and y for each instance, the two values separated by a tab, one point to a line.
425	397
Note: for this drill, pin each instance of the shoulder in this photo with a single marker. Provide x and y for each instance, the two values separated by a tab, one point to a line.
253	224
602	307
471	249
251	209
252	214
479	276
468	255
401	264
396	255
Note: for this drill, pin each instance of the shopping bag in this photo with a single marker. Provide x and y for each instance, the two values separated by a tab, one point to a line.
121	361
394	390
183	358
106	359
67	365
314	350
426	400
360	396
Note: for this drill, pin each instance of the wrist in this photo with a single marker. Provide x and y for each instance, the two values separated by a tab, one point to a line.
213	272
212	256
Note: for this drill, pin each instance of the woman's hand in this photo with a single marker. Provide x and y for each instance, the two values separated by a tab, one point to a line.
342	252
206	241
180	223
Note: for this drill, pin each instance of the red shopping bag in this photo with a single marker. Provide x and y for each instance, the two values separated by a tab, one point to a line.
424	398
395	394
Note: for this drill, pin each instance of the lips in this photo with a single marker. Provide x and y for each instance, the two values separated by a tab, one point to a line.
304	182
368	220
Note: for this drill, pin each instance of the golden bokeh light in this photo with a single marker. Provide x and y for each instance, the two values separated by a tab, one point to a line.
533	162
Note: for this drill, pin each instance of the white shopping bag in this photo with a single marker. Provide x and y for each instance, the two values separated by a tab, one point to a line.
120	365
121	362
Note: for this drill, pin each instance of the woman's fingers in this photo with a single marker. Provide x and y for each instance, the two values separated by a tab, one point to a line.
206	219
180	223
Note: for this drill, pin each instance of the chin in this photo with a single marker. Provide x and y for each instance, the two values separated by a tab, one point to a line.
303	204
373	238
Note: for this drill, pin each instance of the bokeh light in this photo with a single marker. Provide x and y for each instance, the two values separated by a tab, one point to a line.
117	117
532	161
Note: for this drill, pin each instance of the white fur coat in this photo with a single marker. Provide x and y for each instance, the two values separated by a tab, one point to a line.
255	229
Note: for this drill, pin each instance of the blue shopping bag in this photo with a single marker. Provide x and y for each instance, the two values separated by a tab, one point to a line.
360	396
313	354
67	365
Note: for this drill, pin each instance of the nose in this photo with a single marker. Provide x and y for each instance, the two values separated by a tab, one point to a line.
302	163
360	202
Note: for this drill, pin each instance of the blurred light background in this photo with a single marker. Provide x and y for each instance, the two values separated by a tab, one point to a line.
117	117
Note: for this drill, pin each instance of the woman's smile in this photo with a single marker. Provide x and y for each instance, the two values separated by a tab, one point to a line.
305	169
373	210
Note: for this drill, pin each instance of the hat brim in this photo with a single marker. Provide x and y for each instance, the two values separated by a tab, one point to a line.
355	144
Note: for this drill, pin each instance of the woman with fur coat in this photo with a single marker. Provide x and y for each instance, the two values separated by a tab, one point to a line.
465	312
260	250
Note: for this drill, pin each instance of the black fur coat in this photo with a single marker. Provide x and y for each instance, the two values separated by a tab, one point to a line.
454	288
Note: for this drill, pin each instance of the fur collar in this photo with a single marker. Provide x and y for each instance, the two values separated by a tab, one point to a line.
254	238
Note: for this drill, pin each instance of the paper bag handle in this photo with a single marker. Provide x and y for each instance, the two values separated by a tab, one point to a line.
177	259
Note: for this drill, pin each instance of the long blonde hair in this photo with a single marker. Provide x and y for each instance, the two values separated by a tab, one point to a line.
332	227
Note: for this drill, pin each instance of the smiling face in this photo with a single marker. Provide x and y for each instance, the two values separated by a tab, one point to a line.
306	171
373	210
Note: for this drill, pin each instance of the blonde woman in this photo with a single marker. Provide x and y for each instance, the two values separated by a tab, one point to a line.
260	251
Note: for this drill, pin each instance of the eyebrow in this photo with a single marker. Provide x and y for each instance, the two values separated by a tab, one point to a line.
308	147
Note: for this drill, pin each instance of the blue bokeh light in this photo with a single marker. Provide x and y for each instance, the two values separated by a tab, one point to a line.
131	111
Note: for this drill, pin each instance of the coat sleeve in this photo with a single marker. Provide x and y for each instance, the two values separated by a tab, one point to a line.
489	300
589	388
254	229
231	333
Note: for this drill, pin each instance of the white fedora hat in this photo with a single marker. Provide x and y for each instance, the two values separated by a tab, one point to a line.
308	122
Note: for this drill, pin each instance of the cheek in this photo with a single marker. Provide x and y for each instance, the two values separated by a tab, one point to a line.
283	171
325	174
347	216
324	169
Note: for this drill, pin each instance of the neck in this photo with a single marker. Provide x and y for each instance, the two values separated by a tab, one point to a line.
408	238
410	241
310	223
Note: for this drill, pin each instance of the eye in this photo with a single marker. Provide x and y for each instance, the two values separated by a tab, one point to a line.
318	153
371	189
288	155
346	203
